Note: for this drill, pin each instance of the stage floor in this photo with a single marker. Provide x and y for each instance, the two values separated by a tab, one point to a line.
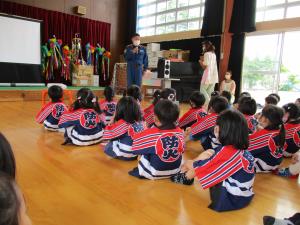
68	185
35	93
43	88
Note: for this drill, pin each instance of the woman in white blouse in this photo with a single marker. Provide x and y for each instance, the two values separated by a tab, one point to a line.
210	75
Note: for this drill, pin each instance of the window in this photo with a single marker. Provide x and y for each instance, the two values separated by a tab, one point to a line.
155	17
271	65
267	10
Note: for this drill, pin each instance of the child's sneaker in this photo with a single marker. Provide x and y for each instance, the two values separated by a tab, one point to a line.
285	172
269	220
180	178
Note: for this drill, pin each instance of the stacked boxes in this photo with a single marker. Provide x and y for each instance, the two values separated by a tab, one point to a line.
177	54
154	53
82	75
121	76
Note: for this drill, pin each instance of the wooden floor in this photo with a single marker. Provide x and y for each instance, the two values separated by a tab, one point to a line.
67	185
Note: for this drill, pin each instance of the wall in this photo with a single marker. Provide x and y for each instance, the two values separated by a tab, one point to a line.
110	11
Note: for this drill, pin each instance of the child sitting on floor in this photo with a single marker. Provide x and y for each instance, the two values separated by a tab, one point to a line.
7	158
229	172
12	205
275	96
83	125
149	111
291	119
228	85
227	95
197	100
160	147
135	92
203	129
127	122
108	106
166	93
50	114
247	106
267	145
271	100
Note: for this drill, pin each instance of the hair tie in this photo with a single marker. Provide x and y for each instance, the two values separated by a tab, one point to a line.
171	97
94	100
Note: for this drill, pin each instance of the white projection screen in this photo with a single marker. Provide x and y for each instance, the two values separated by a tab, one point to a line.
20	49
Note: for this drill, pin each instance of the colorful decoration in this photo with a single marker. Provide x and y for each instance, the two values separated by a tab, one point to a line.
67	63
77	51
90	49
58	60
102	62
52	59
98	61
107	57
44	54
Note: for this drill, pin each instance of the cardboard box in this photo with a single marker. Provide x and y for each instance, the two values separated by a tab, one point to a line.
83	70
177	54
153	63
158	54
150	79
153	47
96	81
82	81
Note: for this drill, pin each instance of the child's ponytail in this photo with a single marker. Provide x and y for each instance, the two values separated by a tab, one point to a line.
281	135
293	112
156	96
134	91
109	93
86	100
168	94
275	115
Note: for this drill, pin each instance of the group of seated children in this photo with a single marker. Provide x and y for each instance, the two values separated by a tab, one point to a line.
237	141
13	209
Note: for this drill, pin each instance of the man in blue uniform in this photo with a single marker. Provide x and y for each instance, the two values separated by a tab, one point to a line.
137	61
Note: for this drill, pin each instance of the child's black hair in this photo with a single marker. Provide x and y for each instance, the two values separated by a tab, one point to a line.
55	93
271	100
168	94
135	35
293	110
128	110
227	95
167	113
198	99
86	100
245	94
215	93
247	106
9	201
233	129
156	96
7	159
276	96
109	93
134	91
218	104
275	114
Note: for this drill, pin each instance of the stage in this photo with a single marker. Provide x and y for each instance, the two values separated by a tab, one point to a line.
35	93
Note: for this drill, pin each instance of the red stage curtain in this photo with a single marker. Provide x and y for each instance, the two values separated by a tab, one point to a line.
62	25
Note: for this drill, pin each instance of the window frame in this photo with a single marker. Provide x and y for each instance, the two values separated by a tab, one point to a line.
284	5
200	5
